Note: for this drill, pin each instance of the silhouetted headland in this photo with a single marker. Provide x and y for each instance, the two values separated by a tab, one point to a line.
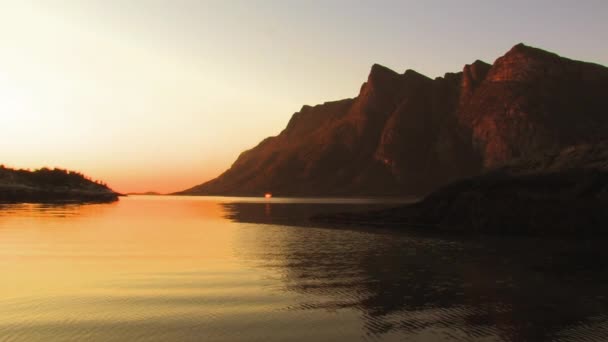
407	134
560	193
51	185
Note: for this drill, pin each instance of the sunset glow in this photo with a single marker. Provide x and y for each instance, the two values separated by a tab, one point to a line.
163	95
303	170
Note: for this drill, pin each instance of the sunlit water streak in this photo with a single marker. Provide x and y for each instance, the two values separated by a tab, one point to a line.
227	269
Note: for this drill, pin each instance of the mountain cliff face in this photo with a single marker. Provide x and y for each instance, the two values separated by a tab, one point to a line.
531	101
407	134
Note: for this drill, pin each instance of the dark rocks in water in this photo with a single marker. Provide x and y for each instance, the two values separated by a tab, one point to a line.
562	193
51	185
407	134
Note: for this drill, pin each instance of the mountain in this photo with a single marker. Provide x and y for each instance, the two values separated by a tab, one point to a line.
407	134
557	193
51	185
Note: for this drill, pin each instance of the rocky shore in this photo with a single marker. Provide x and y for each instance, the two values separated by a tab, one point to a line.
563	193
51	185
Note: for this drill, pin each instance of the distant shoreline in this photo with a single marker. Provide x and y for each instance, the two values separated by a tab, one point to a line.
22	194
391	198
148	193
51	186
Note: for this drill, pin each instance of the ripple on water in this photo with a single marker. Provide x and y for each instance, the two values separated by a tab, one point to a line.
216	270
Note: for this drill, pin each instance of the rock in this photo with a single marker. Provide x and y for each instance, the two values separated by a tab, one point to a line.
407	134
560	193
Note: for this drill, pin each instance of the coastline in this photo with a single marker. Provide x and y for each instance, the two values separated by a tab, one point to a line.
569	203
27	194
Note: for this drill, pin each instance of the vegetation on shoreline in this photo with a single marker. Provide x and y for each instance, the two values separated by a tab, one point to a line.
51	185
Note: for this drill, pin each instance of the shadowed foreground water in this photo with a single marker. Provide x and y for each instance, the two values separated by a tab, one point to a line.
228	269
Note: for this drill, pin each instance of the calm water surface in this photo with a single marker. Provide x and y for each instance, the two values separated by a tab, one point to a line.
228	269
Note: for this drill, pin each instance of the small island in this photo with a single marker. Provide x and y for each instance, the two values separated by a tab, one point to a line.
51	185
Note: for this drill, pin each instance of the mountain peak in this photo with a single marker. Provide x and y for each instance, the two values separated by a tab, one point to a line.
521	47
476	70
472	75
380	73
381	79
524	63
480	64
413	74
530	51
408	134
378	69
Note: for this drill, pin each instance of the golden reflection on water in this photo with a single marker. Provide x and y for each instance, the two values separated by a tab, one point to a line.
222	269
145	268
86	244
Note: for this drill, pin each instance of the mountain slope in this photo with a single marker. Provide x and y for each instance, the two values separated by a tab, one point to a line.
407	134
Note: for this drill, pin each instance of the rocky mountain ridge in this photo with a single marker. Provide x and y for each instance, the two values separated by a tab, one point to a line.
407	134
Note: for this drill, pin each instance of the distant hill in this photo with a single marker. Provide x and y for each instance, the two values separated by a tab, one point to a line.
147	193
407	134
50	185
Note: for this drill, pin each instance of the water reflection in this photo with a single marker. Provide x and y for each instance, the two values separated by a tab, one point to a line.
294	213
174	269
483	288
52	210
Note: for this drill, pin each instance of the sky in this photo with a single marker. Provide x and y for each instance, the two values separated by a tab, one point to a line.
151	95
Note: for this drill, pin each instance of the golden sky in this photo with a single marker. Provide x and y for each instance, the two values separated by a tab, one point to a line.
163	95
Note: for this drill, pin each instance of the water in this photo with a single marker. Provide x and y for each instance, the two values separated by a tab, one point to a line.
227	269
